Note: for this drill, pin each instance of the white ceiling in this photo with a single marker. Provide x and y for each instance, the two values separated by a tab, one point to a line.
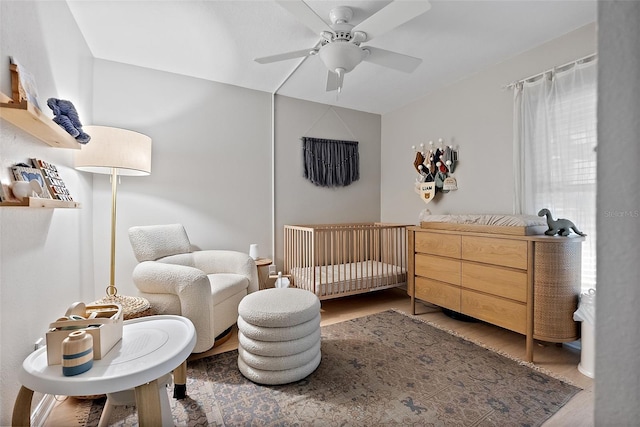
218	40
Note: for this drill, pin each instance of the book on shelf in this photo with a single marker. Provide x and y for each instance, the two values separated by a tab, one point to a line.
53	181
27	173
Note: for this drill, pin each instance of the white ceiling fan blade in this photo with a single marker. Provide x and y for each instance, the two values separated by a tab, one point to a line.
332	81
306	15
283	56
386	58
391	16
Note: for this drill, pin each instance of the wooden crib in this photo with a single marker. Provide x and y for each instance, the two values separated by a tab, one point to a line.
336	260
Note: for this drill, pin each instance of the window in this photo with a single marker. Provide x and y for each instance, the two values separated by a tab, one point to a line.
555	151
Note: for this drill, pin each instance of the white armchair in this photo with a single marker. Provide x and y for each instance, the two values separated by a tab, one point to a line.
205	286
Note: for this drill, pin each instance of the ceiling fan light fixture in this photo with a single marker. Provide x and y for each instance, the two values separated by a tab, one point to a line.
341	55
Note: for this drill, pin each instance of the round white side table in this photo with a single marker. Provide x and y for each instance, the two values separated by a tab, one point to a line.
261	263
150	348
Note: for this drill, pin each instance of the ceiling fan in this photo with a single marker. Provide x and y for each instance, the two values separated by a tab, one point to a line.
340	47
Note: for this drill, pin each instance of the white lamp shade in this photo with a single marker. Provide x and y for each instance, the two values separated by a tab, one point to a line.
127	151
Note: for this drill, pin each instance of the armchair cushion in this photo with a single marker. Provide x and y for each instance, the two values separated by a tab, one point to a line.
150	243
225	285
217	261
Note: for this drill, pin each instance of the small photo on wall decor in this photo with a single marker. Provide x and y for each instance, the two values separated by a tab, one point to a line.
22	173
23	84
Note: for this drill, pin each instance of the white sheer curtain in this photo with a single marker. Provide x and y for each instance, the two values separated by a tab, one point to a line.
554	151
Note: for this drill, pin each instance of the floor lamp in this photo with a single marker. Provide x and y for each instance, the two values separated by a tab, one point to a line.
116	152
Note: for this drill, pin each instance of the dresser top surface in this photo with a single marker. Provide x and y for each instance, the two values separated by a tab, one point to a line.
536	238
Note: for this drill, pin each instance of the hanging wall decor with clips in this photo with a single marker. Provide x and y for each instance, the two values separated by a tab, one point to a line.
329	162
435	170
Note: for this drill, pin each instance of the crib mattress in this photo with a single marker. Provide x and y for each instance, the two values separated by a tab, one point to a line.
349	277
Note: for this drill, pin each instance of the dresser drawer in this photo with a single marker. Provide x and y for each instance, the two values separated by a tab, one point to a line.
438	293
504	252
505	282
438	244
438	268
498	311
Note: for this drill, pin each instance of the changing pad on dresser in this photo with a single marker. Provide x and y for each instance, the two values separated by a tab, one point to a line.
519	225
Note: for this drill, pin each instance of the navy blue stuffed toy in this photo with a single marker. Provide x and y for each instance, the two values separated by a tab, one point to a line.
65	115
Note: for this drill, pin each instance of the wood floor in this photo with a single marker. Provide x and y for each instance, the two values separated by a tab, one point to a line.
557	360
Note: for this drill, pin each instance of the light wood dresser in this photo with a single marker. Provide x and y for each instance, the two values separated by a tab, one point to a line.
529	284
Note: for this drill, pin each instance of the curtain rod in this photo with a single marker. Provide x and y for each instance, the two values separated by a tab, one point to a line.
568	65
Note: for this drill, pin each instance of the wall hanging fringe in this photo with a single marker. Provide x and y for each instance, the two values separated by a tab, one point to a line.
330	163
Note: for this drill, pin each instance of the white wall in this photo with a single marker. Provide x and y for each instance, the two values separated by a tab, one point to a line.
298	201
617	367
475	116
45	254
211	163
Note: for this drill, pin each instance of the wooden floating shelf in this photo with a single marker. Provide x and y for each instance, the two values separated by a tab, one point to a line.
30	119
35	202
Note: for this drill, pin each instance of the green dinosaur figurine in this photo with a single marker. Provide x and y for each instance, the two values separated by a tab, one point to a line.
559	226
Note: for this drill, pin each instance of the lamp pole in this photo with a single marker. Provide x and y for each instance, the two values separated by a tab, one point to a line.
112	291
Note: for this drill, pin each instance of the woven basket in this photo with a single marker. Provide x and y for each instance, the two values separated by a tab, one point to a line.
132	307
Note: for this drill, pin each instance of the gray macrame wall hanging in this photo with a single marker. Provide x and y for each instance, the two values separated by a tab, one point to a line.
329	162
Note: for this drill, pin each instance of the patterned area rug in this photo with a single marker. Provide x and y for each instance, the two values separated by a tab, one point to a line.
383	369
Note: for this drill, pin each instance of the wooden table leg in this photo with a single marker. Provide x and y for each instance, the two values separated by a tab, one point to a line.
148	403
529	348
411	270
22	408
530	301
180	381
261	279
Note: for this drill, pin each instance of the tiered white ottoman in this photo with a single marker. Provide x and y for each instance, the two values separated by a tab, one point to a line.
278	335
